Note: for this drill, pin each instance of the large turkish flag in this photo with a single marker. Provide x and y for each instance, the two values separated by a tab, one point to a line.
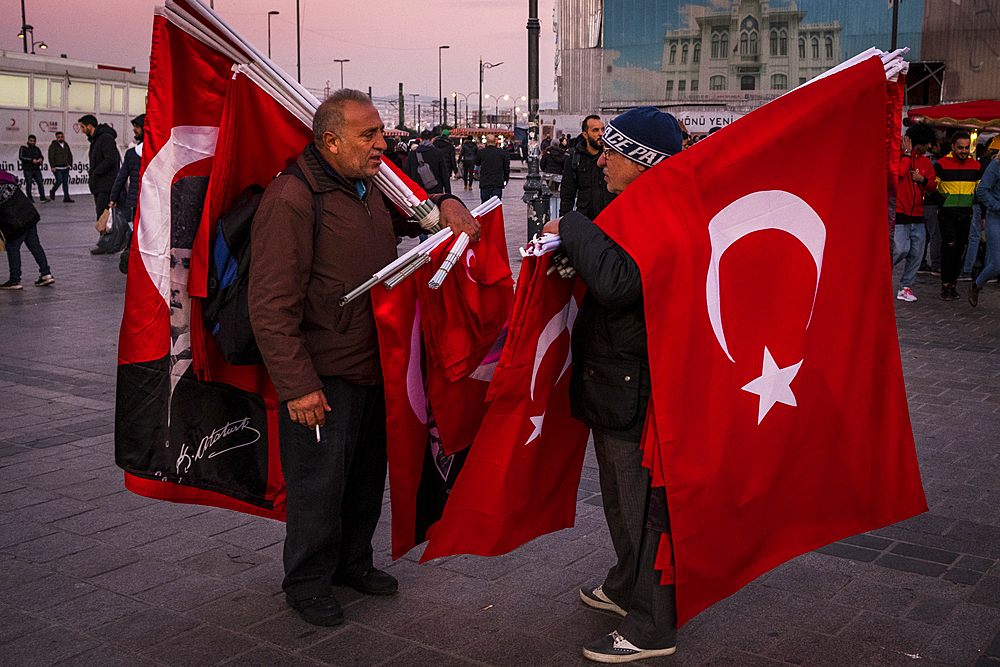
780	420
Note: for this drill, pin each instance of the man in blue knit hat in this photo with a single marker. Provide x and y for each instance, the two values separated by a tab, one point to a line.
609	392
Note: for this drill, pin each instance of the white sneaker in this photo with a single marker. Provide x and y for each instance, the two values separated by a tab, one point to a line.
598	600
905	294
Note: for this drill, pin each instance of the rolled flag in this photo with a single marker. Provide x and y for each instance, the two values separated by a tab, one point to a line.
457	248
399	265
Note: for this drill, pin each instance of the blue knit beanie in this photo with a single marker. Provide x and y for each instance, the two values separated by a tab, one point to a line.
645	135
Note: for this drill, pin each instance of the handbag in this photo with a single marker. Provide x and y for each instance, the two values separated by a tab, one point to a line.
17	216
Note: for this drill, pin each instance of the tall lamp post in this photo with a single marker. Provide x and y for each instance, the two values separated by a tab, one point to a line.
466	98
416	113
441	103
24	34
536	195
24	24
298	43
482	67
341	61
269	15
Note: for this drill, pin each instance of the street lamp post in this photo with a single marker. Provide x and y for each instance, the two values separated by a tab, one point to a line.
298	43
25	29
482	67
338	60
536	194
416	112
441	104
269	15
24	23
466	98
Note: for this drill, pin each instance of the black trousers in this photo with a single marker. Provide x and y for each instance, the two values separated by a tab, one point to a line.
333	488
954	223
633	583
468	171
34	177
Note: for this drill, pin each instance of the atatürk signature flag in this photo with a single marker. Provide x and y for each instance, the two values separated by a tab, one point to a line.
779	419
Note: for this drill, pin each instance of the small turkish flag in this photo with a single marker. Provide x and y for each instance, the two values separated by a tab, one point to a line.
780	420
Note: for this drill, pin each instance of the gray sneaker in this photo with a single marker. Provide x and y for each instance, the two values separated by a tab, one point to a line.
598	600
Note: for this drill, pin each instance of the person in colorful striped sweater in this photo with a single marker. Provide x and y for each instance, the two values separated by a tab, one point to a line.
958	175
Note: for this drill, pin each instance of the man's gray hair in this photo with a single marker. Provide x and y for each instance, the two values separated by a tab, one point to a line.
330	115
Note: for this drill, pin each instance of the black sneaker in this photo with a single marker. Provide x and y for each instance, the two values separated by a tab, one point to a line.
614	648
924	268
372	582
42	281
11	284
324	611
953	293
974	290
67	200
945	293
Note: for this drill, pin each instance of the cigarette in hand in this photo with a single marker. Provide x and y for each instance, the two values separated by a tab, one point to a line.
317	433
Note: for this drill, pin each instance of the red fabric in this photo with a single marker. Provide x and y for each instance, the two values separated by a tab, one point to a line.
979	113
746	493
418	191
894	123
522	472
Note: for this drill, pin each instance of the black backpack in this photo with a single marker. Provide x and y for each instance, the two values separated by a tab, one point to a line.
226	311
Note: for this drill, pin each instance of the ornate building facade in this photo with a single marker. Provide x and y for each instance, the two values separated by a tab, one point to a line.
750	49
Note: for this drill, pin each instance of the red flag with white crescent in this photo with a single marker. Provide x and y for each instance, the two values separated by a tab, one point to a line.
780	420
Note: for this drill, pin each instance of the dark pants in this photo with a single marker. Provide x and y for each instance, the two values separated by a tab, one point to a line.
633	583
954	223
34	177
468	171
30	239
933	236
101	201
62	178
486	193
333	488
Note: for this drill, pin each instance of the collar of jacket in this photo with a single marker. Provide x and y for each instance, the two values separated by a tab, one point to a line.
324	178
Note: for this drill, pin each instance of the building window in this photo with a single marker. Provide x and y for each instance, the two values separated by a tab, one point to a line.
670	89
802	80
81	96
14	90
829	48
783	43
715	45
682	86
684	54
774	42
717	83
802	48
694	85
696	58
673	54
748	82
136	100
724	45
744	44
753	43
815	45
779	82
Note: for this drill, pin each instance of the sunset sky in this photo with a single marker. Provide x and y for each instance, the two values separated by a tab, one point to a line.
387	41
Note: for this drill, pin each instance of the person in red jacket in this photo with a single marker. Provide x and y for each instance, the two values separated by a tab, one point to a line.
916	178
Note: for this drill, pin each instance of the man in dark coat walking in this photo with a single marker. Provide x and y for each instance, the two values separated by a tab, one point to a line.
494	169
427	166
443	144
31	164
104	162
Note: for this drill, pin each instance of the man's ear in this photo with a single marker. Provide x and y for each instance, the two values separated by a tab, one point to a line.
332	142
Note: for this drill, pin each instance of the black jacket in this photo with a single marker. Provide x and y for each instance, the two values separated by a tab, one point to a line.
469	151
129	172
437	162
104	159
609	385
448	150
583	183
553	159
27	154
494	170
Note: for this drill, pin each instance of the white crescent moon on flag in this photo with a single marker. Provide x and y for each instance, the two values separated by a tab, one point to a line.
414	376
564	319
187	144
768	209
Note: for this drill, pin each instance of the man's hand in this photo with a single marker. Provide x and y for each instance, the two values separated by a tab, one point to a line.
310	409
456	216
552	227
906	143
917	176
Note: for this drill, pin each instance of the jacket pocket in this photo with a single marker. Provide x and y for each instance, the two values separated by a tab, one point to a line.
610	395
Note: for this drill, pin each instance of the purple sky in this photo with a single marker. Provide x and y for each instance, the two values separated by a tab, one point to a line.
387	41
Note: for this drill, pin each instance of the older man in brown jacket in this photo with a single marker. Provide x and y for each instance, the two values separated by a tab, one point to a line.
324	358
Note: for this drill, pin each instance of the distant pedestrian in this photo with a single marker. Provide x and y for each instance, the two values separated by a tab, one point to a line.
447	148
988	192
958	175
427	165
31	164
14	203
494	169
104	163
125	191
551	164
60	160
467	155
583	185
916	178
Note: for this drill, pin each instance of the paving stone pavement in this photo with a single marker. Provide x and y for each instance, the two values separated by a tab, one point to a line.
94	575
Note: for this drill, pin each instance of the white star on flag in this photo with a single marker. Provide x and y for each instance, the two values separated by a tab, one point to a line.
773	385
536	422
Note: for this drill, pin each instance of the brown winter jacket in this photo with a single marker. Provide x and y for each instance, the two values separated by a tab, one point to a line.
302	332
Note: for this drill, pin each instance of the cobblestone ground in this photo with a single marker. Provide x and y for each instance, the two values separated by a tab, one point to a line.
94	575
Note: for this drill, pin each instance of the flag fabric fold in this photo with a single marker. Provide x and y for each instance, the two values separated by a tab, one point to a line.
778	421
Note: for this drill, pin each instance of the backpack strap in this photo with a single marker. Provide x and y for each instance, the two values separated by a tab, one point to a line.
295	170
